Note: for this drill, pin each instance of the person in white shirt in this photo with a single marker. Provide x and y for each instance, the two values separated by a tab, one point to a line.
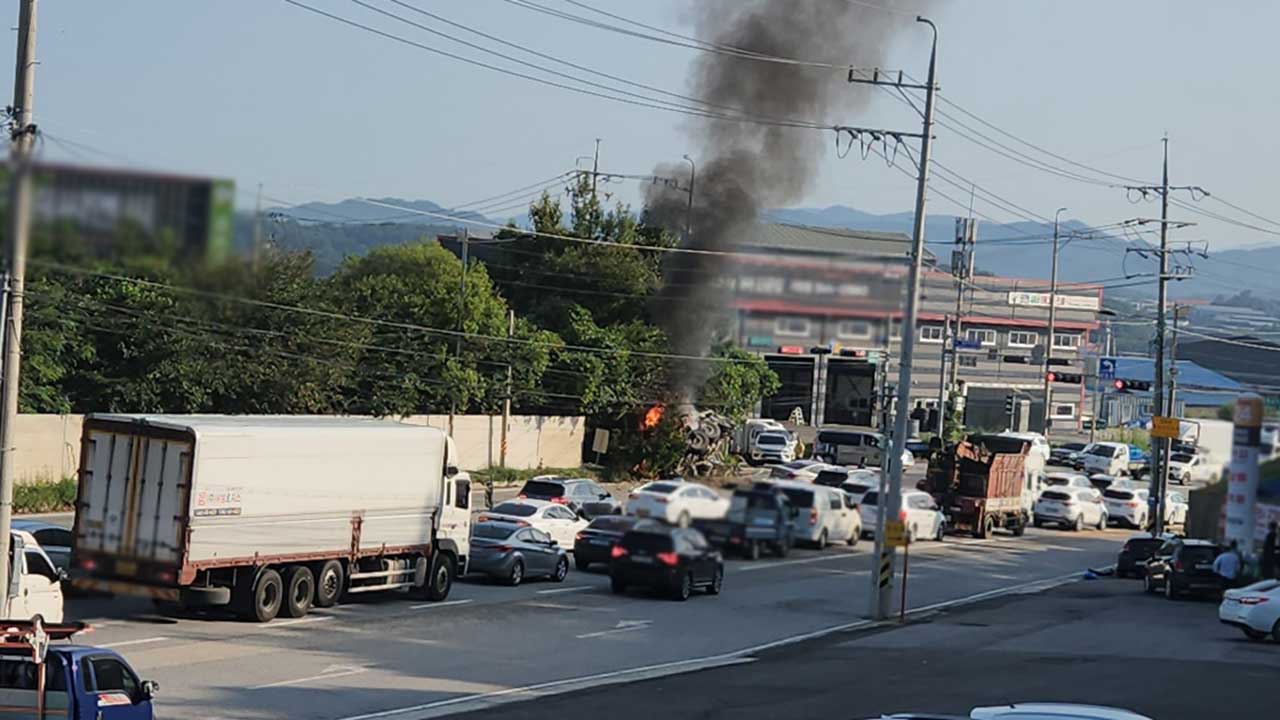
1227	566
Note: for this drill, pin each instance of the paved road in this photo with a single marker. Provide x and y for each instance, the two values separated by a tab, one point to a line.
396	658
1100	642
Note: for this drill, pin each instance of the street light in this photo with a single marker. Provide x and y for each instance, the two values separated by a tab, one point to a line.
1053	310
693	178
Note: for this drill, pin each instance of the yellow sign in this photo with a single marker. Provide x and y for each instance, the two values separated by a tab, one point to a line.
895	534
1166	427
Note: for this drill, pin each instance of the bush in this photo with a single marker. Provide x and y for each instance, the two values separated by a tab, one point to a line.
44	496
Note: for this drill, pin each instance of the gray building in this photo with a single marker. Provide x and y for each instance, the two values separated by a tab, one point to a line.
821	305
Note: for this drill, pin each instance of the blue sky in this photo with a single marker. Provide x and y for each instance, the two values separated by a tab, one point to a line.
262	91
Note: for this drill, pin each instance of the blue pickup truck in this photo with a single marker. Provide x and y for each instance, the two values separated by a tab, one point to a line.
40	679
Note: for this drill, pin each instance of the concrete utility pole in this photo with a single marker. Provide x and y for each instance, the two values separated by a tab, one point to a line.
464	239
23	138
942	372
1053	315
964	274
595	169
688	218
1159	446
506	402
1172	404
893	504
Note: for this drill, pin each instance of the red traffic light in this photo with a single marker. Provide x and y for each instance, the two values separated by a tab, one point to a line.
1118	384
1050	376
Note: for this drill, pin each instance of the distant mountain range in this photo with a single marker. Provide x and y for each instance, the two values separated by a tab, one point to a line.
1021	250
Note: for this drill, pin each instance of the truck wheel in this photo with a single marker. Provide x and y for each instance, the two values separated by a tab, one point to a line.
984	528
440	579
328	583
1019	527
299	590
267	596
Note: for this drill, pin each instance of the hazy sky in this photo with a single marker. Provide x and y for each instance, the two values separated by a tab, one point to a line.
262	91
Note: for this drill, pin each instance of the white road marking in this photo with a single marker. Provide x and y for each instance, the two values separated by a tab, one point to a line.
446	603
143	641
622	627
479	701
300	621
802	561
557	591
333	671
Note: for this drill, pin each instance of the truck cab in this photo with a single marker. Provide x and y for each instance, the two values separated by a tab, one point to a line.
35	589
74	682
454	531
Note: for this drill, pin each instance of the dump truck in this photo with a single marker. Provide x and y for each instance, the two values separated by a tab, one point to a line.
268	514
978	482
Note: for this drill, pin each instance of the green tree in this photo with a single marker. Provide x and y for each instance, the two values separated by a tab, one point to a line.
737	382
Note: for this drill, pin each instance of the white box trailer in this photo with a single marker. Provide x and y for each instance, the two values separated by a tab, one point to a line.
270	514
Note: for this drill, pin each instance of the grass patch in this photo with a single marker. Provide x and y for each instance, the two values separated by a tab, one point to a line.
44	496
511	476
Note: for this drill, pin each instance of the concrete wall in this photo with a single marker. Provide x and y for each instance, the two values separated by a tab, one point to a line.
48	446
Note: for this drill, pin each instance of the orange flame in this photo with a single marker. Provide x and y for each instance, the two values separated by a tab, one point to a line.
653	417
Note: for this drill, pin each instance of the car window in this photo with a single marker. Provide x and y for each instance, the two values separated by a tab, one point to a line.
833	500
1085	495
1118	494
849	502
540	536
491	531
524	536
542	489
1054	495
871	497
560	513
799	498
515	509
660	488
111	675
462	494
696	540
37	565
53	537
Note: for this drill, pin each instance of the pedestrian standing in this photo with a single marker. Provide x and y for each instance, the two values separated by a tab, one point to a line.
1227	566
1269	550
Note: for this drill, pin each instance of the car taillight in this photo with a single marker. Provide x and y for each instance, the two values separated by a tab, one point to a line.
165	576
1177	565
813	516
88	563
559	501
618	552
1252	600
579	536
502	548
522	496
1132	504
902	516
661	500
482	518
522	523
633	496
668	558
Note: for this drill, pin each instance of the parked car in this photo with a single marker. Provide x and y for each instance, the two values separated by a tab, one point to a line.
671	559
759	516
1077	459
594	543
1102	481
511	553
583	496
798	470
54	539
1137	550
1255	609
1039	445
822	514
1127	505
1182	566
677	502
1065	453
860	482
554	519
1068	480
832	477
921	515
773	446
1108	458
1071	508
1176	509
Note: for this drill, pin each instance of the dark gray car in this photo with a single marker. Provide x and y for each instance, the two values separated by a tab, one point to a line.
584	496
510	552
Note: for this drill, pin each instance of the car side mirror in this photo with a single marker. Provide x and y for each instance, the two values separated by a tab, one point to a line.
62	575
604	496
150	688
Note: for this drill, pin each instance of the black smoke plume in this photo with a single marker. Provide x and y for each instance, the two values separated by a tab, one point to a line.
746	167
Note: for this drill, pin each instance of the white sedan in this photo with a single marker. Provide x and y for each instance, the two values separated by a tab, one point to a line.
1254	609
920	514
802	470
677	502
556	520
1062	480
1176	509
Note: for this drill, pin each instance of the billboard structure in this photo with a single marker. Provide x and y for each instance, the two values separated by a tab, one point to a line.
101	207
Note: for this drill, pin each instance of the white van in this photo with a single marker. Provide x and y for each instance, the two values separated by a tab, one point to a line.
1107	458
822	514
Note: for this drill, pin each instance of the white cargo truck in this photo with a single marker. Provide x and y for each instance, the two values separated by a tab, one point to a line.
267	514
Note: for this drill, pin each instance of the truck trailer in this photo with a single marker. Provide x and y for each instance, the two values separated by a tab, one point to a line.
979	482
267	514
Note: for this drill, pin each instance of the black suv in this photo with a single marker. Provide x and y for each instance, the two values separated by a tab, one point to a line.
662	557
1136	552
1183	566
581	495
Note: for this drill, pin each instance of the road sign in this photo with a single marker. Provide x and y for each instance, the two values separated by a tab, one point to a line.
968	344
600	441
1106	369
895	534
1166	427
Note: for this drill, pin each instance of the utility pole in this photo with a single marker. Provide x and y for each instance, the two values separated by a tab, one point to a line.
1171	402
595	169
962	265
942	372
257	229
23	138
893	504
1053	314
688	219
464	239
506	402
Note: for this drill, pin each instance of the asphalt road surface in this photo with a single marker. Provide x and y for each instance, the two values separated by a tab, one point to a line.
1097	642
393	657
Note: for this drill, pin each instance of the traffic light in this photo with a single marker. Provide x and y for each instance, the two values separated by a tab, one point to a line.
1067	378
1123	385
1008	403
